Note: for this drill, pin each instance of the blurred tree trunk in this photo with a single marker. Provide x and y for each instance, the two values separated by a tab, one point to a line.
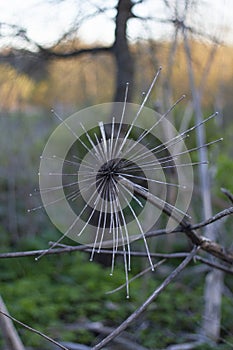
123	57
214	279
9	333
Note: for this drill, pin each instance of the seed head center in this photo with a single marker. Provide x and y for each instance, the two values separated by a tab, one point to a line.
107	178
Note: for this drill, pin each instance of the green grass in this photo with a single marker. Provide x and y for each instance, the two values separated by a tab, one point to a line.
62	290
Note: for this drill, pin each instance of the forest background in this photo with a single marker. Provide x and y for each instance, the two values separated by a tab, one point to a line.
55	295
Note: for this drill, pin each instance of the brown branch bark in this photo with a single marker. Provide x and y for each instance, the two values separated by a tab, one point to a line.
204	243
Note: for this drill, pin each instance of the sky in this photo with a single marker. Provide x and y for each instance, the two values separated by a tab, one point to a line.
46	20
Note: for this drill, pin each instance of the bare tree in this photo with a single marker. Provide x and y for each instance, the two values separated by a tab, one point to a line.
34	63
179	14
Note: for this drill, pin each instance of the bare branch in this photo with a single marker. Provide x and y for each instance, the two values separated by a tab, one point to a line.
209	221
34	331
211	247
137	276
47	54
214	218
228	194
93	50
70	249
35	253
149	300
214	265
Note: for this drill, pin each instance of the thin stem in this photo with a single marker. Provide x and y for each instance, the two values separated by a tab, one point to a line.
70	228
35	331
137	276
148	301
139	111
214	218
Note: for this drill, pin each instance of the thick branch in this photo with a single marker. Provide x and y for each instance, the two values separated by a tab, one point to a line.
35	63
209	246
49	54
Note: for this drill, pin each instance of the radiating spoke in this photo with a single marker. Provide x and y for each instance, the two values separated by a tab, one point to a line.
140	229
97	231
111	139
150	180
126	231
147	132
160	202
71	226
91	142
138	113
115	151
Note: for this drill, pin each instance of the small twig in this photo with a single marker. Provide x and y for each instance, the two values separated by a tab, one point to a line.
29	253
209	221
149	300
70	249
35	331
137	276
162	232
9	333
214	218
214	264
228	194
